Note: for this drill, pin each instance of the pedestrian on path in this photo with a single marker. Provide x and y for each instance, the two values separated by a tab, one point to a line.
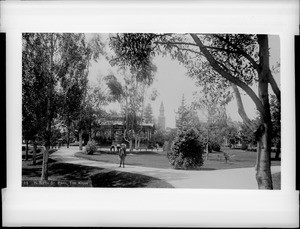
122	154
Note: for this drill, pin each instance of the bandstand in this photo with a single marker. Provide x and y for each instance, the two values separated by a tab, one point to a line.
111	131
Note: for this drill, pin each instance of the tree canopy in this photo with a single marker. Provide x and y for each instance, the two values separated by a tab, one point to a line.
222	60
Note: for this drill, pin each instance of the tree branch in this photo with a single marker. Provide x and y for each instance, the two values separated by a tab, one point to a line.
274	86
227	75
175	43
241	109
240	51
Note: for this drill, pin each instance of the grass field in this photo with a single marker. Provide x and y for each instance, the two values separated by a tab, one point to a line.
158	159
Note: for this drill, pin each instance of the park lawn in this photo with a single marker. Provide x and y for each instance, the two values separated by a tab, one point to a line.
158	159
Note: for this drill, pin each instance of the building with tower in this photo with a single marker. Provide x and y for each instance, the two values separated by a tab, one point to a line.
161	121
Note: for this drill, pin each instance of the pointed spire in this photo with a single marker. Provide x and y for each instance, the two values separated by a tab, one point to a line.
161	109
161	117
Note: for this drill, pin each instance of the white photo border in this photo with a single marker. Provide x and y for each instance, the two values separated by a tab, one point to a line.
149	207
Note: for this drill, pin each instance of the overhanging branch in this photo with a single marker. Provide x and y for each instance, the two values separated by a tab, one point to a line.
242	52
227	75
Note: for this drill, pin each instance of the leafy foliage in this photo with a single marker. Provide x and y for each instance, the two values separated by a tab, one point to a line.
186	117
186	151
232	133
131	96
244	146
216	147
220	61
246	135
148	114
276	121
91	147
134	50
54	78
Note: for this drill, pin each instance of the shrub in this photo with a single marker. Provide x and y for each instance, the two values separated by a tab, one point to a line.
244	146
186	151
91	147
216	147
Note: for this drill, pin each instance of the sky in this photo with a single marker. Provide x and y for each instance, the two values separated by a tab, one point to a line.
171	83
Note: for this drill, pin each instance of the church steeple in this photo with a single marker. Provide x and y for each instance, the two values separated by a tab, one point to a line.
161	110
161	118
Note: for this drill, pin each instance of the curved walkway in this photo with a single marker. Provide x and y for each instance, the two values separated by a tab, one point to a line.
215	179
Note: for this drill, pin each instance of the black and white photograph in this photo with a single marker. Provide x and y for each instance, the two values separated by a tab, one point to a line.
149	110
150	113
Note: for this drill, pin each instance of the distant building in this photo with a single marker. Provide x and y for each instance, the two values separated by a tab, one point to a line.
161	121
111	130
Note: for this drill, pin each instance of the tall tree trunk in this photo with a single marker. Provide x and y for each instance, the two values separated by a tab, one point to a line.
45	163
263	138
34	153
90	134
48	139
48	114
139	141
130	145
207	145
277	151
68	137
263	165
26	150
136	142
80	139
46	152
263	168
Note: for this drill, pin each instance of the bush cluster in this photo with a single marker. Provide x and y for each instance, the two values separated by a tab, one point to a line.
186	151
216	147
244	146
91	147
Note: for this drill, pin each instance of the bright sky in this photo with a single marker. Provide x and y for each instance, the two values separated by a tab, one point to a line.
171	83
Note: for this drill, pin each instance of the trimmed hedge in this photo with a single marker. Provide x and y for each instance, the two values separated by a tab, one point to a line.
186	151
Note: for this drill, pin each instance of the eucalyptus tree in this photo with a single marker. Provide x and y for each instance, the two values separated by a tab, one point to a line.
57	63
33	93
211	102
131	96
236	61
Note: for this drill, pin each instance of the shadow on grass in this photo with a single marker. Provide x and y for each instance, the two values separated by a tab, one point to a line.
71	175
115	179
61	171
